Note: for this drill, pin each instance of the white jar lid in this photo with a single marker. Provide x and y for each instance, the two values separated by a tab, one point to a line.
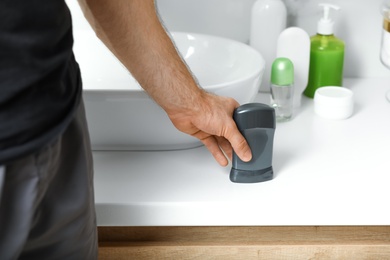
333	102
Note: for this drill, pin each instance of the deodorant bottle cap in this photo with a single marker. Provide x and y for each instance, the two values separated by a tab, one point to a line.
282	73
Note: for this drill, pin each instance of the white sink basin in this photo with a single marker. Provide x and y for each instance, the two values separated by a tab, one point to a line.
120	114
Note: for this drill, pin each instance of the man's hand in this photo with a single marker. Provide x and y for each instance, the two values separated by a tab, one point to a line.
211	122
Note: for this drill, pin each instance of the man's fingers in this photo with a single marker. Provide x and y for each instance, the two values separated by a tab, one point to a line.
225	146
214	148
239	144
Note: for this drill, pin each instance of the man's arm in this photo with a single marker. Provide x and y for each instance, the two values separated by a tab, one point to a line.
132	30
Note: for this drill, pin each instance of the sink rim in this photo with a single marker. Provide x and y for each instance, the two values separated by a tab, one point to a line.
127	83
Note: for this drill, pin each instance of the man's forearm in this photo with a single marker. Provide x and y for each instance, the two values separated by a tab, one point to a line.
133	32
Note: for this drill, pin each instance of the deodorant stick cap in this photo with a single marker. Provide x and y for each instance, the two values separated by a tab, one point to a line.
254	115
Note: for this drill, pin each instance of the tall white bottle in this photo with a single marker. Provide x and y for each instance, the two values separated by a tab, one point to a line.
268	20
294	44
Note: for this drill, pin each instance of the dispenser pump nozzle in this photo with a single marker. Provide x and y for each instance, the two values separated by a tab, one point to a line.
325	24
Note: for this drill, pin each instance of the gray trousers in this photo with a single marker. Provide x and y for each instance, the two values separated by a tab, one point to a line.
47	200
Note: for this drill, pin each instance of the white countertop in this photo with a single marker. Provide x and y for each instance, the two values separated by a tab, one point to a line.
326	173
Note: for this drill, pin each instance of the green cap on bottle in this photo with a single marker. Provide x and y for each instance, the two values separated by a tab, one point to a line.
282	72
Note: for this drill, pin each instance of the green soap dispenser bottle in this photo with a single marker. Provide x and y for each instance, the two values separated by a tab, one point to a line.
326	55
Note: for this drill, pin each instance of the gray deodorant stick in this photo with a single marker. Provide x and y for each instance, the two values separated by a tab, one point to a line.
256	123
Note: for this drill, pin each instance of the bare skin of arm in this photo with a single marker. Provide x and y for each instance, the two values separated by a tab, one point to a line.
132	30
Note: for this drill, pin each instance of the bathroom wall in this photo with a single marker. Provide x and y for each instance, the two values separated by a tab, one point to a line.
358	23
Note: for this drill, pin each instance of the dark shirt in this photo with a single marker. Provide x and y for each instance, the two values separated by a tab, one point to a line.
40	85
